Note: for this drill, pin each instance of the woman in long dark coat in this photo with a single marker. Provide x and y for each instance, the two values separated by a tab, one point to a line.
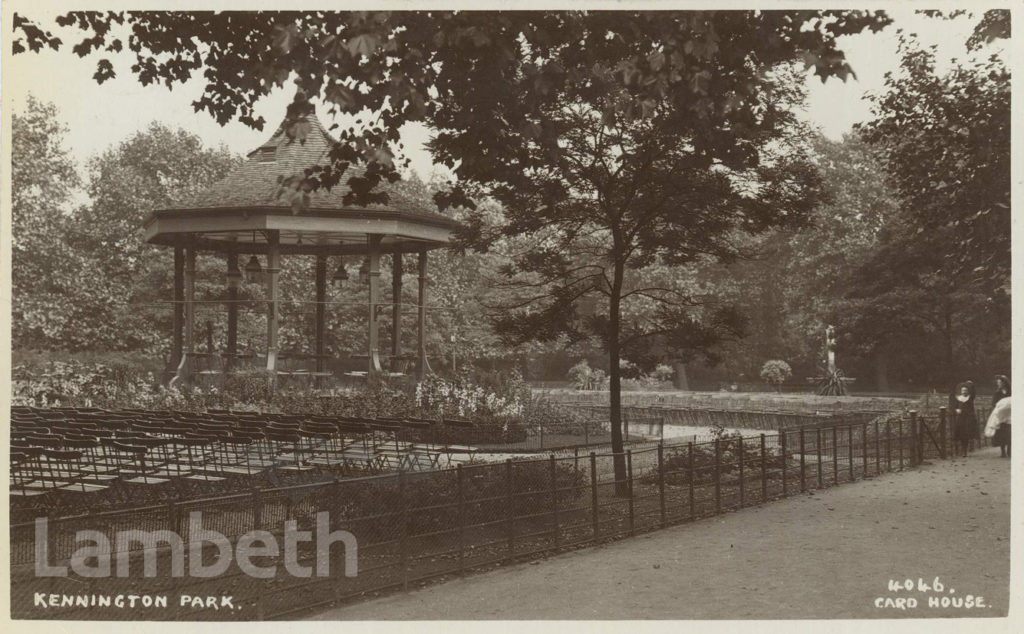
965	420
1001	438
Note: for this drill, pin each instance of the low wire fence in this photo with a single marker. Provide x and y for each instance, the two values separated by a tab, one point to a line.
412	527
652	421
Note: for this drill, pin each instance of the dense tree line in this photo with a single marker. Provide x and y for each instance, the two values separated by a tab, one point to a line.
647	180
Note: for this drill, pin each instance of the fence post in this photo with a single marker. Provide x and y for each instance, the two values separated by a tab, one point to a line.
915	454
864	446
554	498
785	463
835	455
817	444
661	481
586	431
888	445
690	478
878	450
743	495
942	434
629	482
593	491
718	476
922	426
461	514
173	520
509	505
541	435
402	547
803	479
257	509
764	472
849	451
899	445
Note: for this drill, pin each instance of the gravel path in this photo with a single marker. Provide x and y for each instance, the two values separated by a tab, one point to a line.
826	555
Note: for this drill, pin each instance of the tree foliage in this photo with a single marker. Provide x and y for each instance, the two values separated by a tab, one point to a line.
84	278
458	70
43	182
942	266
945	139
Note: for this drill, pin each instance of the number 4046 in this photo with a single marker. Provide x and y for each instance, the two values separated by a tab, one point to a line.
895	585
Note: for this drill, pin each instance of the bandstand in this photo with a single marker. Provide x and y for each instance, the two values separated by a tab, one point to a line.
250	214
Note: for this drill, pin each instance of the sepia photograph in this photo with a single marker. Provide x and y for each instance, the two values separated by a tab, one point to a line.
590	313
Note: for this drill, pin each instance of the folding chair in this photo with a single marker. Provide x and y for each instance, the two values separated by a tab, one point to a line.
62	470
93	465
197	454
287	451
233	456
25	468
325	445
132	455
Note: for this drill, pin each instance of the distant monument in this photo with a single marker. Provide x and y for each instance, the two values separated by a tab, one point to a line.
832	382
830	347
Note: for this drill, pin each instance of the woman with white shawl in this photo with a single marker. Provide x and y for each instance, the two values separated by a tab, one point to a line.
998	426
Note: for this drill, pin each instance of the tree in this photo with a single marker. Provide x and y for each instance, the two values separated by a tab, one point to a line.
602	202
154	169
43	181
943	264
94	284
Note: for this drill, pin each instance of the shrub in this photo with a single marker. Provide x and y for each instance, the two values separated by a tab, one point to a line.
645	384
248	386
663	373
677	461
371	510
776	372
581	376
629	370
554	418
77	384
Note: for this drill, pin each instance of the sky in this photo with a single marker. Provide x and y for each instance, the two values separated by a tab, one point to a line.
101	116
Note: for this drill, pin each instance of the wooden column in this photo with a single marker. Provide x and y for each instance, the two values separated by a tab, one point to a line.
421	318
190	295
232	348
178	308
320	328
373	342
273	296
396	305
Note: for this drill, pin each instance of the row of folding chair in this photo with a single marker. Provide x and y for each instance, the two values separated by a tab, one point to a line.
299	441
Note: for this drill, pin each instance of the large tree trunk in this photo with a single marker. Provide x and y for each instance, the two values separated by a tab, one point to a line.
615	382
882	369
681	381
951	373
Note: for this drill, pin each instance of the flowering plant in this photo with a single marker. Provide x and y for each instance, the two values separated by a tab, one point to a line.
73	383
463	398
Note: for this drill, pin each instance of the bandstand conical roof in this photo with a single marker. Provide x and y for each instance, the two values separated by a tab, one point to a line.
238	212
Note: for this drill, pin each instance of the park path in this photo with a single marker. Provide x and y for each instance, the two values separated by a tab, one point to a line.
826	555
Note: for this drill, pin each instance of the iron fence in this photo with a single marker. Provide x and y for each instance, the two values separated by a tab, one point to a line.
412	527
